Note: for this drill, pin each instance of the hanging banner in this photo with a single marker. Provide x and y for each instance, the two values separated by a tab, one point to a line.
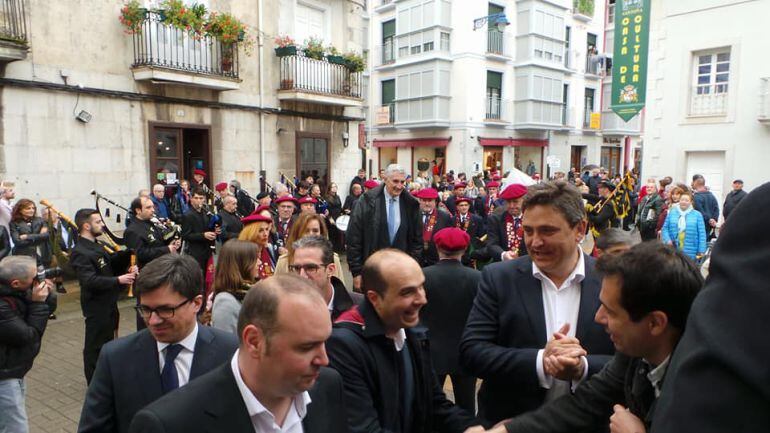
629	60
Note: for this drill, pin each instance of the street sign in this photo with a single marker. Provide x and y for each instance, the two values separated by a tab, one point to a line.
596	121
629	60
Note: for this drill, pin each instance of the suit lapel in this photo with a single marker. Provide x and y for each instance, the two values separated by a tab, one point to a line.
200	363
589	301
228	412
531	292
148	367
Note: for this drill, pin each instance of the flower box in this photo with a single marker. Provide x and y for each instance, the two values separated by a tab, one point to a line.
337	60
286	51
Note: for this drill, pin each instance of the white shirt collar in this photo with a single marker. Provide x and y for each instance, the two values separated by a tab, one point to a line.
188	342
655	376
399	339
577	274
253	406
394	197
330	305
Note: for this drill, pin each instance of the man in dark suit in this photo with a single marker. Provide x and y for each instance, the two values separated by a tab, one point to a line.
384	356
505	234
276	377
314	259
646	296
468	222
245	203
134	371
231	219
717	379
101	276
433	220
457	192
197	233
485	204
387	216
553	291
450	288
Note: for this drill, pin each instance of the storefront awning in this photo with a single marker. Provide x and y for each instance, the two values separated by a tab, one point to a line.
413	142
520	142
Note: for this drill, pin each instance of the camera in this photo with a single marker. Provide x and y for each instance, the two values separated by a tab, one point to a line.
48	274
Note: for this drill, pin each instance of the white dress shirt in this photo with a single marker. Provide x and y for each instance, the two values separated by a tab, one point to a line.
399	340
561	305
261	418
184	359
396	209
330	305
655	376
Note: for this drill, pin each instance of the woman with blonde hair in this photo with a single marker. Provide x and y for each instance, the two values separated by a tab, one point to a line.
28	231
237	269
307	224
256	229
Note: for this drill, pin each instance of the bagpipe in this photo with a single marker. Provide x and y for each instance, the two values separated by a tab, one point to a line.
114	242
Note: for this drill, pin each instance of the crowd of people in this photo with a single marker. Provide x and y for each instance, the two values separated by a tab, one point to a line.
244	321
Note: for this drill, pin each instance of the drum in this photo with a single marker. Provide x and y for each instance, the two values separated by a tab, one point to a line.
342	222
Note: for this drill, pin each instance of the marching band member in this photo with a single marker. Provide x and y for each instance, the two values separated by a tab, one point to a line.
256	229
433	220
505	235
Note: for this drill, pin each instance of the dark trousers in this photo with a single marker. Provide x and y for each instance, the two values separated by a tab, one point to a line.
464	390
100	329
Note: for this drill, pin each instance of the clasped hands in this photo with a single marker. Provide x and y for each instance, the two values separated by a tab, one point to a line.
562	356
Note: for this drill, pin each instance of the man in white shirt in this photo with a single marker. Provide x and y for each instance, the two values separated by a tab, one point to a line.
276	381
531	334
134	371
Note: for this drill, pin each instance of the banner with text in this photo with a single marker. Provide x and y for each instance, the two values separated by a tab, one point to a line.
629	60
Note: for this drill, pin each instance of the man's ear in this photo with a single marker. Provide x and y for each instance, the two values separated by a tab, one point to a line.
253	340
658	323
373	297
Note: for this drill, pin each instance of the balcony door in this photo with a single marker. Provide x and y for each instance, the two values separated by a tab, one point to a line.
313	155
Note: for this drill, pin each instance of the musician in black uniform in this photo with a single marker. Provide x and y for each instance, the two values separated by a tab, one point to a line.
96	270
245	203
198	233
231	219
145	240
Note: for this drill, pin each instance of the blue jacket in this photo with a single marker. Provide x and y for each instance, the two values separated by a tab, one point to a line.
161	207
707	205
695	233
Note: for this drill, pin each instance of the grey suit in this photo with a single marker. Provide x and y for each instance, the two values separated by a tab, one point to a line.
127	376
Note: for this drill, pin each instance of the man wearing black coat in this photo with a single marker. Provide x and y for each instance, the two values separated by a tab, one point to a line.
142	237
505	235
276	377
717	378
5	242
231	219
646	295
468	222
387	216
733	198
457	192
245	203
384	356
197	233
450	288
536	306
101	276
433	220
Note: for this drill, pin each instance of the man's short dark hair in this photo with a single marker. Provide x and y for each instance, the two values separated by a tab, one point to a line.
136	204
303	185
199	191
613	236
181	273
654	277
260	306
372	277
83	216
323	244
562	195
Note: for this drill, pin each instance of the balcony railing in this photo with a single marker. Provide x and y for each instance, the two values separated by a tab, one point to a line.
161	45
764	100
388	52
495	42
709	100
319	76
12	24
493	108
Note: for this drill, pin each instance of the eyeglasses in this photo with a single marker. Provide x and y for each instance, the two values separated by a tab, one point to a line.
309	268
162	312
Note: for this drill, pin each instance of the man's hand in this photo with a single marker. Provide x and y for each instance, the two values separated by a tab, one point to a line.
282	251
210	235
41	291
174	246
623	421
564	367
357	283
126	279
712	222
475	429
561	356
44	230
22	237
509	255
218	231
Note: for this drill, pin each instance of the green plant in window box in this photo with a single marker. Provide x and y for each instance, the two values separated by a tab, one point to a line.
334	56
132	15
314	48
285	46
354	62
584	7
191	19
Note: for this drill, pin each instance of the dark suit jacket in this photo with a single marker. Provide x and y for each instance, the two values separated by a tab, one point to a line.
367	361
145	240
127	376
450	288
5	242
430	255
590	407
99	287
191	409
506	328
231	226
343	299
497	237
451	204
718	377
368	228
194	224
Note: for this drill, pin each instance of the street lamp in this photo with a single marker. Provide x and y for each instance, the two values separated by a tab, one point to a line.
499	19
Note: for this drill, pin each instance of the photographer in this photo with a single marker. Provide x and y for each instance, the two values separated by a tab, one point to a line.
24	308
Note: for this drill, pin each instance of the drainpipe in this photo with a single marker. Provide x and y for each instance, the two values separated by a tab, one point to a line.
260	59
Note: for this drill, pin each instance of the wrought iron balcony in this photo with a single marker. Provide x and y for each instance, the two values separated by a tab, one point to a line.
164	53
13	30
318	81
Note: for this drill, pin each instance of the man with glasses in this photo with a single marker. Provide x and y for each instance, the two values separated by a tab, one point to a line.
314	260
136	370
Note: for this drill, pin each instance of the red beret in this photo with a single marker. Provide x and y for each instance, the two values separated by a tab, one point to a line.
493	184
286	198
496	177
307	199
221	186
200	172
536	176
460	185
462	200
369	184
262	208
514	191
427	193
451	239
255	217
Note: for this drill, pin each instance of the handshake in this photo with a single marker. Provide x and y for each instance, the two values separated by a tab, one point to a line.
563	356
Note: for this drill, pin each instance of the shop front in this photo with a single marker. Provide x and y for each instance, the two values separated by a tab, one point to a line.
528	154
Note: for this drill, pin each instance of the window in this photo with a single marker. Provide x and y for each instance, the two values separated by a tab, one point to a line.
444	41
589	106
591	53
567	37
388	43
564	104
494	91
611	12
711	77
388	95
416	49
